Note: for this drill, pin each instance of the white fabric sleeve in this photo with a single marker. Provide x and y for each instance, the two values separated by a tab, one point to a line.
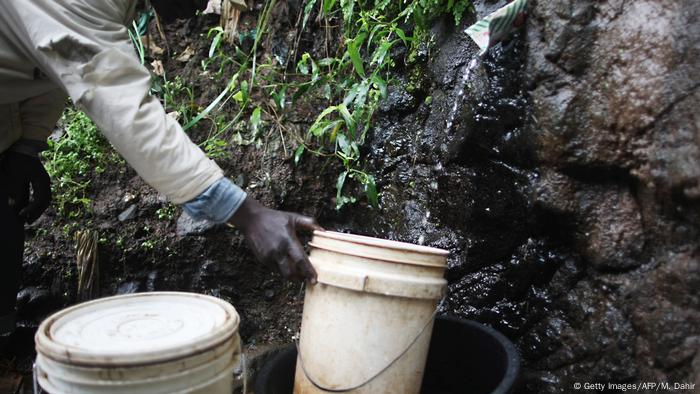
84	46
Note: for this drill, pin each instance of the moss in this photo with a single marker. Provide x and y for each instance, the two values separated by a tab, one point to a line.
417	79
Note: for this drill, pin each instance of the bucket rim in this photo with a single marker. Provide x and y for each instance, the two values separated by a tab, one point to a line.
512	372
59	352
382	243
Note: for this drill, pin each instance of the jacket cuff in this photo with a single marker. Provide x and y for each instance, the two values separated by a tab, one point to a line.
217	203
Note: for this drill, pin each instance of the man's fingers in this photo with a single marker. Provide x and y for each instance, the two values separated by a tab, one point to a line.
305	222
288	269
284	266
301	260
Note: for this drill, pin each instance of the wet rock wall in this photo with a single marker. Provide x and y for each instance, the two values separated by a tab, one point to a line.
566	190
612	86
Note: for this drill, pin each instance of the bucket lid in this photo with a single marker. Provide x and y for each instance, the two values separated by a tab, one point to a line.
137	329
379	249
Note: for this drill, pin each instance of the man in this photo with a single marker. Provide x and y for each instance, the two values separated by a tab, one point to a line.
51	49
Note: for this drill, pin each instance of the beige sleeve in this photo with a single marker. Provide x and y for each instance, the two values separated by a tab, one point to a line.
39	114
84	46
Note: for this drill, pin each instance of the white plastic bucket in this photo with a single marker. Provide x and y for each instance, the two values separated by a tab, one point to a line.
162	342
367	322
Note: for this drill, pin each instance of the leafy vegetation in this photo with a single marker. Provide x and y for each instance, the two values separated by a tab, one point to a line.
73	159
347	82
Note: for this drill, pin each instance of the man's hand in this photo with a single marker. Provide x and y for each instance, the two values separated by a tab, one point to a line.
272	236
21	171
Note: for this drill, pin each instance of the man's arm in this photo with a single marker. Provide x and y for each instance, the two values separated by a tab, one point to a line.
84	47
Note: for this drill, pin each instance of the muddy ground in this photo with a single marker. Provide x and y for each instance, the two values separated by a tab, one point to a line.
567	192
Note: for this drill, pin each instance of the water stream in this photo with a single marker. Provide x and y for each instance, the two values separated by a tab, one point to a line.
466	76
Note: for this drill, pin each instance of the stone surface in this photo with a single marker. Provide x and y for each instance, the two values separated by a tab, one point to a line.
188	226
612	85
129	287
128	213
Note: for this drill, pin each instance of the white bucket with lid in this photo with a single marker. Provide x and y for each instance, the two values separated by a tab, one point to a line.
367	323
161	342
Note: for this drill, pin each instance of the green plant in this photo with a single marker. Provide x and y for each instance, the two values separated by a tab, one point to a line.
148	244
135	36
355	81
347	83
178	98
73	159
166	212
217	54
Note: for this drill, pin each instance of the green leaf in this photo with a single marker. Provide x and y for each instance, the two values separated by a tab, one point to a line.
279	97
343	144
380	53
354	150
321	126
350	96
371	191
297	154
339	188
303	64
381	4
347	117
314	71
380	84
207	110
354	53
328	5
238	97
327	91
216	42
374	31
348	7
325	112
361	97
255	121
402	36
327	61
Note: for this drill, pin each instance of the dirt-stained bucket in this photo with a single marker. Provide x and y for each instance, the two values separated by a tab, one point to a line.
367	323
162	342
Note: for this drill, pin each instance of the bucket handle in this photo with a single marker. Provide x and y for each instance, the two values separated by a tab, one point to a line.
35	379
381	371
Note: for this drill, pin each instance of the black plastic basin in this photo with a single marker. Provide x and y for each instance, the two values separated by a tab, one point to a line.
464	357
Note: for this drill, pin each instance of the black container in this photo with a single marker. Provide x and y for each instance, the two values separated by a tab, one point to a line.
464	357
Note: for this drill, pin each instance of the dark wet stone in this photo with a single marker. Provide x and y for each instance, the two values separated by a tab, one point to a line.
32	298
129	287
398	99
151	282
128	213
